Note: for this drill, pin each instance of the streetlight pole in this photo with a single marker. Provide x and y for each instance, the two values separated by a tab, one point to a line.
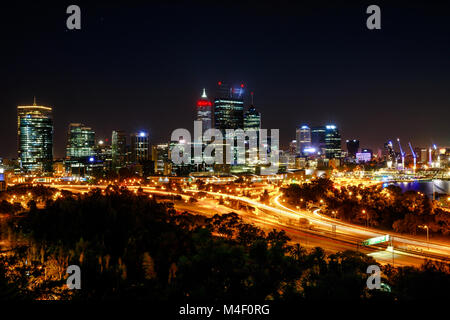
428	235
367	218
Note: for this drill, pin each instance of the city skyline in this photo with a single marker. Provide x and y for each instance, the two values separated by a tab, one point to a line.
397	86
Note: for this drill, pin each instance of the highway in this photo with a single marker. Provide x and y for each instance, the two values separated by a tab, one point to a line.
330	234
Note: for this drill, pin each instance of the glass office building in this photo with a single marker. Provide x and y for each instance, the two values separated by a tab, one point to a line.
80	142
119	149
140	147
332	142
35	138
228	108
80	149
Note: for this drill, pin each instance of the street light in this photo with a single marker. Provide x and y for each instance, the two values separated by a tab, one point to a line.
367	218
428	236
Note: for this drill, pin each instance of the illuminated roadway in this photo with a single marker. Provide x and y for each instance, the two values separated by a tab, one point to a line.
319	231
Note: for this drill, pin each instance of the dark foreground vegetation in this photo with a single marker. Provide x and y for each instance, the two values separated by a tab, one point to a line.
129	246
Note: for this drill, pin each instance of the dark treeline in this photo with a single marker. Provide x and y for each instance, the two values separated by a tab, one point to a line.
385	208
130	246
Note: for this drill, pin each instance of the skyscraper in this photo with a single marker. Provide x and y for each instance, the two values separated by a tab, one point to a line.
352	147
318	139
204	111
80	148
139	147
303	138
229	114
118	149
80	142
252	119
35	138
228	108
332	142
252	122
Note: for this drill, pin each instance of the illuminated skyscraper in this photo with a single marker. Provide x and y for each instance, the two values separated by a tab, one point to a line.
229	108
252	119
139	147
204	112
252	122
35	138
80	142
318	138
303	138
229	114
80	150
332	142
119	149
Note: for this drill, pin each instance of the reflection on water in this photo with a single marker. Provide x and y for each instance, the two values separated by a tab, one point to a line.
426	187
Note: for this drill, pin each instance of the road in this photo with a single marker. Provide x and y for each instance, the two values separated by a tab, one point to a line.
319	230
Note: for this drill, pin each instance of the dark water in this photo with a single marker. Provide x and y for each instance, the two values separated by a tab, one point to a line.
426	187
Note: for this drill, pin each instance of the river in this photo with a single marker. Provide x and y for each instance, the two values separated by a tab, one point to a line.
426	187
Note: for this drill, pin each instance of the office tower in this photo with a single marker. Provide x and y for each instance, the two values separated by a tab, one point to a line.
103	153
303	138
228	108
80	148
119	149
318	139
352	147
252	119
293	147
35	138
252	122
80	142
161	160
139	147
228	114
204	112
332	142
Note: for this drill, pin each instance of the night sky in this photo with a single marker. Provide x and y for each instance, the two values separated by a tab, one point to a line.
137	65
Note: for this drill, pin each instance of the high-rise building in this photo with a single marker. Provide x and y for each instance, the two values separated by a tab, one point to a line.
140	147
332	142
35	138
80	142
103	153
119	149
228	108
252	119
252	122
352	147
80	148
161	159
318	139
303	138
204	112
228	114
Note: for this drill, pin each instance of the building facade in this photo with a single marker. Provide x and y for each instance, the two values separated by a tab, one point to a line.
140	147
80	150
352	147
303	138
35	138
119	149
204	112
332	142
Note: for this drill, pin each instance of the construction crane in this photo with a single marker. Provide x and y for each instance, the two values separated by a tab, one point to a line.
414	156
402	154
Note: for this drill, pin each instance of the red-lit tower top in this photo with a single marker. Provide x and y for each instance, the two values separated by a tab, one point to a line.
204	102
